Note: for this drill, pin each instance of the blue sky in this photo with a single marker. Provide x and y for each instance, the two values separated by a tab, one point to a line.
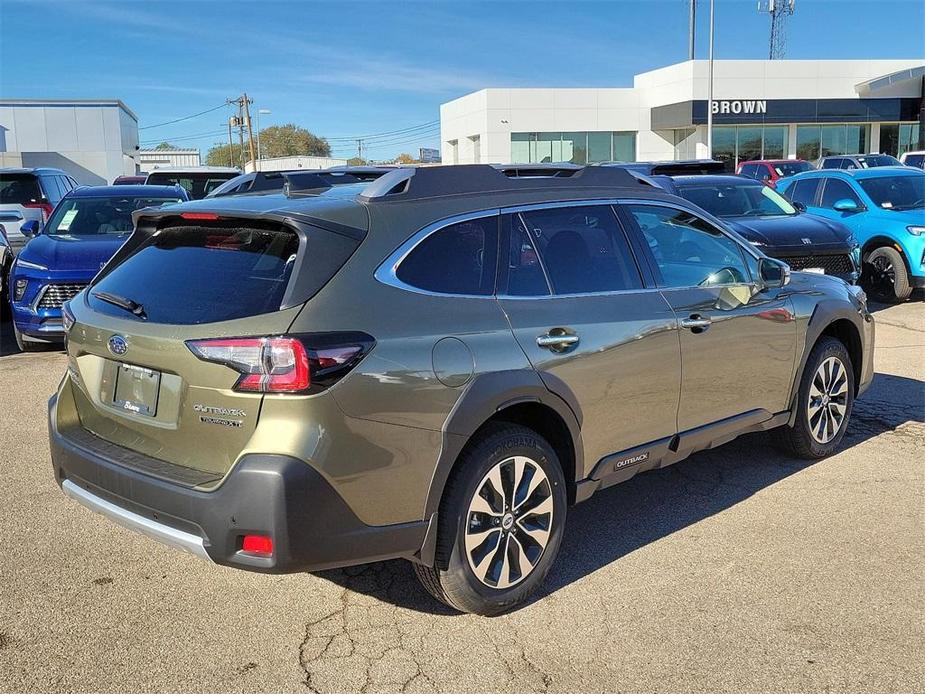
345	69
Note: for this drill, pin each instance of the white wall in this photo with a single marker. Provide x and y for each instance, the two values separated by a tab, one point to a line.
92	141
298	162
150	159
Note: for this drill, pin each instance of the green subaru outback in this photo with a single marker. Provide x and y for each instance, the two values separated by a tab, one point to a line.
433	366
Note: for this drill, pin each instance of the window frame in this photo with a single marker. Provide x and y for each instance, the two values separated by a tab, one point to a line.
743	246
387	272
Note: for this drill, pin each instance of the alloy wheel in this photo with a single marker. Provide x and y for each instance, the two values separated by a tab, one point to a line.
508	522
884	275
828	400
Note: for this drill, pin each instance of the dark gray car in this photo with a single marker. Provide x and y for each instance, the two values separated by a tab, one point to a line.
433	366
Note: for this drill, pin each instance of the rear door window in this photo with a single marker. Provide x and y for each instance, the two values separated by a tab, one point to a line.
804	191
458	259
191	274
19	189
583	249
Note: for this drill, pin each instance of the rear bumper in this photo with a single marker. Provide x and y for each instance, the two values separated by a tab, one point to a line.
283	497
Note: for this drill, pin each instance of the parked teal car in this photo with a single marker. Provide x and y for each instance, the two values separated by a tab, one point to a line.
885	210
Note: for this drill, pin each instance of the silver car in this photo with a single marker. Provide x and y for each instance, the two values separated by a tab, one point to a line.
28	195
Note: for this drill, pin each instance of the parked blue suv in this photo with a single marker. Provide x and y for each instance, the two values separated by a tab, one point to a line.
86	228
885	209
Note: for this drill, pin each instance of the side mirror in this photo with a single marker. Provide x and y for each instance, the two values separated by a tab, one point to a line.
801	207
29	229
773	273
845	205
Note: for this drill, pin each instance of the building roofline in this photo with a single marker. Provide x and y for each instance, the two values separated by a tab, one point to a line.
70	102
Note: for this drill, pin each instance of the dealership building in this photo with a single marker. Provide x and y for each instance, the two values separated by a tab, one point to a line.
771	109
92	140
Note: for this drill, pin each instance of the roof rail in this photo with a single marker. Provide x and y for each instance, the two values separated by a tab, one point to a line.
462	179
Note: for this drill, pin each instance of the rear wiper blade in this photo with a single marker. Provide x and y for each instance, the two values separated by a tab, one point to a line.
132	307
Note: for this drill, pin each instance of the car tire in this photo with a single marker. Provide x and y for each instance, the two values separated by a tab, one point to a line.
495	546
824	403
887	279
24	344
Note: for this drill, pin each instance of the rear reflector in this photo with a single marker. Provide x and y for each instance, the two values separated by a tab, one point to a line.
199	215
261	545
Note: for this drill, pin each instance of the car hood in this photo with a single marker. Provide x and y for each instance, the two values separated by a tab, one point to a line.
72	252
791	231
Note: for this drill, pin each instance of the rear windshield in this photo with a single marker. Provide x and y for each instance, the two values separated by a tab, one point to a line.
792	169
190	275
873	160
197	185
19	189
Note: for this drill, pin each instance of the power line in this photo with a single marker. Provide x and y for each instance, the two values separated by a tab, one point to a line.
389	133
178	120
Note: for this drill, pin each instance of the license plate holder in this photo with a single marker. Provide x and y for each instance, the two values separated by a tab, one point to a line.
137	389
815	270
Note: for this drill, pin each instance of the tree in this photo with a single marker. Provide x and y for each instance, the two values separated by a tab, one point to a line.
356	161
224	155
166	145
291	140
405	158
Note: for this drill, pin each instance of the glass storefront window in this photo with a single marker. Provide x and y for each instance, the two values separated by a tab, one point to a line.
749	144
833	140
520	148
856	139
896	138
576	147
624	147
809	138
775	142
724	145
599	146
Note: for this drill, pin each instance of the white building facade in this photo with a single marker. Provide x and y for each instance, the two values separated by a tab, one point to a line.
92	140
780	109
293	163
150	159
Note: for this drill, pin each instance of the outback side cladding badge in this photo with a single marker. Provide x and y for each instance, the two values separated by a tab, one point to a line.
220	415
633	460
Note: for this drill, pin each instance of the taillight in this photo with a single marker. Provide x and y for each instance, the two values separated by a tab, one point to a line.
45	206
261	545
285	364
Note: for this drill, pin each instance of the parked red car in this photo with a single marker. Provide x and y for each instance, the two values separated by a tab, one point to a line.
769	170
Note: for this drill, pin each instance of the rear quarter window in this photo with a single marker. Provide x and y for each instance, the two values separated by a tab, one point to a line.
458	259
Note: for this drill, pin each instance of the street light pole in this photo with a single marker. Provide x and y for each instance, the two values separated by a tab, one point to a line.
710	91
266	112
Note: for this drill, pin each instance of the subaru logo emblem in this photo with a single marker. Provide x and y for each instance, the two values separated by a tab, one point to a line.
118	345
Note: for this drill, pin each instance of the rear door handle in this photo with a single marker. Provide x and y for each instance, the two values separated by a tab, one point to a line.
696	322
556	342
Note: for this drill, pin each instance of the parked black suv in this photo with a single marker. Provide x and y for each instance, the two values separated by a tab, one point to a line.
433	366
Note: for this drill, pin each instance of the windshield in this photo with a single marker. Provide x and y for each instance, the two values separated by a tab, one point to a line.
787	168
197	185
19	189
873	160
737	200
896	192
94	216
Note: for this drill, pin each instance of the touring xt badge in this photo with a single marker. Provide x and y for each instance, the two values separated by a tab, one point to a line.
217	415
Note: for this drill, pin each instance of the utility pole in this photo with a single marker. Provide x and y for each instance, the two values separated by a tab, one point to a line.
360	149
250	132
710	90
243	120
693	29
231	121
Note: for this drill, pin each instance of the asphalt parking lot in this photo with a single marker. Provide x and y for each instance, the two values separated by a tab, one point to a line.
740	570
